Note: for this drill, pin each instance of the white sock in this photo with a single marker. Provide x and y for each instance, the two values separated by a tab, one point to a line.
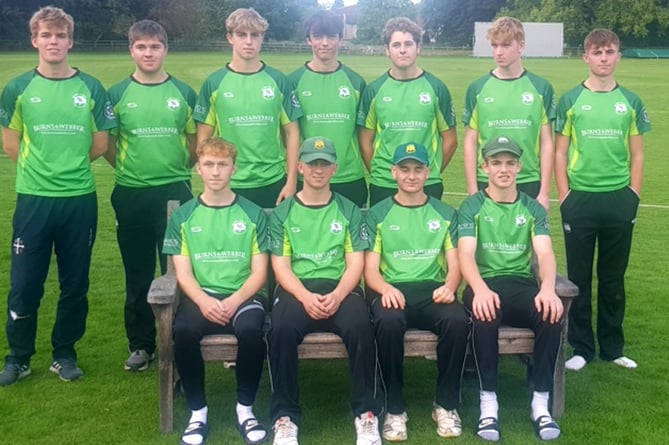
489	405
199	415
540	405
243	414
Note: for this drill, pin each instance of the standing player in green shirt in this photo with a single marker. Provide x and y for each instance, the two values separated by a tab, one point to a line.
510	101
599	174
500	228
405	104
55	121
329	93
252	105
317	256
152	151
219	243
411	275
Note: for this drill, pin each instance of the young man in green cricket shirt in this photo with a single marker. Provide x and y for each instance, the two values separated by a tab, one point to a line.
405	104
252	105
599	174
317	255
411	276
513	102
152	151
55	121
329	93
219	243
499	228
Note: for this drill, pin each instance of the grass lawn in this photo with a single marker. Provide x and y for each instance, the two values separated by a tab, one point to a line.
605	404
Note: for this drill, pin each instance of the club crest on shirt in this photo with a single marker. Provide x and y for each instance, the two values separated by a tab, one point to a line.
173	104
267	93
238	227
433	225
344	92
521	220
424	99
109	111
336	227
79	100
527	98
621	108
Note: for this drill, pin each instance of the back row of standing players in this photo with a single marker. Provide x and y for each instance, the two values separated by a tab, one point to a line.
598	156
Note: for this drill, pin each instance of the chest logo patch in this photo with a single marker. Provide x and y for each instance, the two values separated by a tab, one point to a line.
521	220
79	100
344	92
488	100
424	99
306	93
433	225
35	100
336	227
267	93
528	98
239	227
131	105
173	104
621	108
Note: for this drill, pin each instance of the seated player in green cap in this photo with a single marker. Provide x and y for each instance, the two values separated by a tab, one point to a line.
317	255
499	229
411	275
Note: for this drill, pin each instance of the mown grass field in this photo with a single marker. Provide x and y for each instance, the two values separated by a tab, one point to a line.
605	404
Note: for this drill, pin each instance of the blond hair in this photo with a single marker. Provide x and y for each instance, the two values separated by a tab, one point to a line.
506	29
246	18
52	16
216	146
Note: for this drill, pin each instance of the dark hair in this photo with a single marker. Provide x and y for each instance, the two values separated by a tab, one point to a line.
324	23
147	28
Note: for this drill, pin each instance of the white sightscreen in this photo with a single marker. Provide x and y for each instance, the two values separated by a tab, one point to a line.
541	39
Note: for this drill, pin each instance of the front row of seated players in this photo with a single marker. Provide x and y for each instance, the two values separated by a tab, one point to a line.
411	273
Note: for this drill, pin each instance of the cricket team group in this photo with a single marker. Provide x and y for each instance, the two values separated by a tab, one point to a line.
316	146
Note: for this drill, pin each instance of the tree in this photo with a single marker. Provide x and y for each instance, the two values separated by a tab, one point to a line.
375	13
452	21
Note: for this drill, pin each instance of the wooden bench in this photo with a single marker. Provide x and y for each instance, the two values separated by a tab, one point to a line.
164	295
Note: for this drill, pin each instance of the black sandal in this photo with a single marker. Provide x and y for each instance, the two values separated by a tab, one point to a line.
252	425
488	429
546	428
195	428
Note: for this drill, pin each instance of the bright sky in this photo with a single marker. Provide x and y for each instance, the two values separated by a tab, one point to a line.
348	2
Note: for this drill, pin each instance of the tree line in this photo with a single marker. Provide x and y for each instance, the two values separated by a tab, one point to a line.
446	22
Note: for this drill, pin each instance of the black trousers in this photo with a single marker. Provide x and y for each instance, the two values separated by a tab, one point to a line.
517	309
290	324
264	196
377	194
67	226
141	220
448	321
605	220
189	328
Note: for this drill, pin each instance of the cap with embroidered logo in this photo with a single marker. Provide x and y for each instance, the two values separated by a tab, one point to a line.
318	148
411	150
501	144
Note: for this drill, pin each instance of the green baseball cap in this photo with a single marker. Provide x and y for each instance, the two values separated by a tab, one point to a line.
411	150
318	148
501	144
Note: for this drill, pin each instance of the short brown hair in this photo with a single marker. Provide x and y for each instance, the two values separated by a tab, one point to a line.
216	146
147	28
402	24
507	29
247	18
52	16
601	37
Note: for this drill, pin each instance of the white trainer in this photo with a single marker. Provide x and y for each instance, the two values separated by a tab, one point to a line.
367	429
285	432
448	421
625	362
576	363
395	427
